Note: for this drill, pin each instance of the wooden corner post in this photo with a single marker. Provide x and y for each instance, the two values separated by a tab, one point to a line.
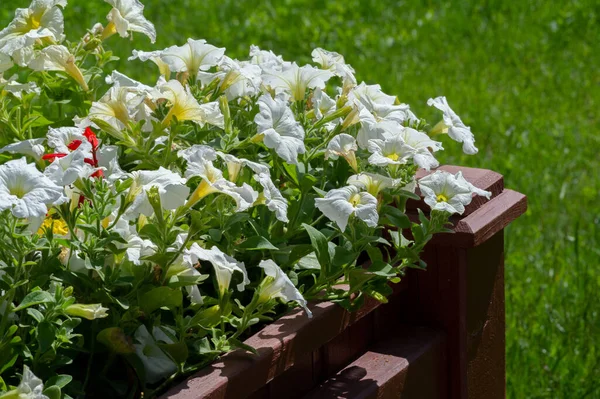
462	291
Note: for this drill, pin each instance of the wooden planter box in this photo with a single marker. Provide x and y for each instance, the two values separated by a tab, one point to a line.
440	336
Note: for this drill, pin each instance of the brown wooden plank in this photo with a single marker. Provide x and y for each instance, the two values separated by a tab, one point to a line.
406	366
279	345
486	320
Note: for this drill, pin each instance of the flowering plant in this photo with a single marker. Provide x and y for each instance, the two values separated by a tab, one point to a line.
145	229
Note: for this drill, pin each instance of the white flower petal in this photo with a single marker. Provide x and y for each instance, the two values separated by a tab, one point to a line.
274	200
335	63
42	19
26	191
390	151
31	147
447	192
60	139
128	16
223	264
16	88
456	128
66	170
184	106
171	188
281	286
281	131
192	57
295	80
341	146
30	387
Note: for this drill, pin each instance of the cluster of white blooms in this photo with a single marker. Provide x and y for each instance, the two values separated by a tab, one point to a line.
295	119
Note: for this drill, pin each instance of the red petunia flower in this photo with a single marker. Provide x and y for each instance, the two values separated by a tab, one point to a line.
92	138
52	157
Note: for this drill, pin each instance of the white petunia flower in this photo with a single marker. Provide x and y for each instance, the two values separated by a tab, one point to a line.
278	285
234	165
281	131
422	146
41	22
343	145
66	170
200	163
192	57
16	88
118	107
223	264
58	58
323	105
136	247
31	147
340	203
371	129
171	189
335	63
444	191
454	126
295	80
393	150
108	160
267	60
157	365
67	139
373	183
117	78
184	267
73	260
369	95
128	16
26	191
5	63
237	79
30	387
272	197
185	107
154	56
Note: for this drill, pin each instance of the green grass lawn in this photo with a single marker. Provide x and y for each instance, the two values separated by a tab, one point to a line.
524	74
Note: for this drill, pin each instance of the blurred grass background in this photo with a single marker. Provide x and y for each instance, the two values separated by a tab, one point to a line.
525	75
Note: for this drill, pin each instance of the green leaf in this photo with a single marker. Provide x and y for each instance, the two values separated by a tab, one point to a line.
342	257
46	333
115	339
161	297
308	182
35	314
151	232
35	298
53	392
395	216
215	234
60	380
40	121
257	243
309	262
381	268
319	243
358	277
292	171
374	254
178	351
408	194
239	344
